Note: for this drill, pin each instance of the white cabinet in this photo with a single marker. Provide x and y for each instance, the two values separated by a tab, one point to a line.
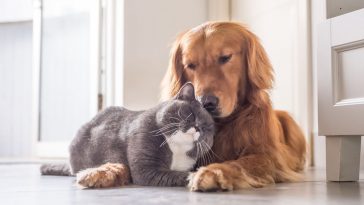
341	93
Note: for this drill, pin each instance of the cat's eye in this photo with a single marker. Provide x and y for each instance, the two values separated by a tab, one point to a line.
224	59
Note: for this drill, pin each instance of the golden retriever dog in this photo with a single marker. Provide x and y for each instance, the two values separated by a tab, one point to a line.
254	144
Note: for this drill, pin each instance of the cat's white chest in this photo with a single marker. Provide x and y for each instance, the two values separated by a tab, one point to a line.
180	143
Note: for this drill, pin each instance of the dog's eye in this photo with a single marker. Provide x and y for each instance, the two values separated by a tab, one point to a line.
191	66
224	59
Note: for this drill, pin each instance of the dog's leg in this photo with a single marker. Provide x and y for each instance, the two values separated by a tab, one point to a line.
107	175
245	172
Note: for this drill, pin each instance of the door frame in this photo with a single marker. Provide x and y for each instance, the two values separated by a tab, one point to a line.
112	86
60	149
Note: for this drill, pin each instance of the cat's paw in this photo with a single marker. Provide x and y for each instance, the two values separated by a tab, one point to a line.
207	179
107	175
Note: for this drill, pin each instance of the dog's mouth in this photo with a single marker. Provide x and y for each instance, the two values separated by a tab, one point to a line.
214	113
228	118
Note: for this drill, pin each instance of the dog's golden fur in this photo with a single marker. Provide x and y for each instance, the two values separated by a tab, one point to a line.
255	144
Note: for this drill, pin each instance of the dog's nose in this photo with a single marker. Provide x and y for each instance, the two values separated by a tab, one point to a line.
210	102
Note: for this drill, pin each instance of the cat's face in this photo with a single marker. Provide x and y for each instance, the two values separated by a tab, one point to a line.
186	124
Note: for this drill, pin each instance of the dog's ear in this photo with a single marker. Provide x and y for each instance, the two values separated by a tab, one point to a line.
173	79
260	71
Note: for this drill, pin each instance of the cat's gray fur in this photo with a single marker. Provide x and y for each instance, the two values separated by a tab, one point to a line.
134	138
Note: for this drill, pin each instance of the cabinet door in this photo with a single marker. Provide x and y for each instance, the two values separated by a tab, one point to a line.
341	75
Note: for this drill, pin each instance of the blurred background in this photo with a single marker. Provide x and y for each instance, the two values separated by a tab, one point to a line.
62	61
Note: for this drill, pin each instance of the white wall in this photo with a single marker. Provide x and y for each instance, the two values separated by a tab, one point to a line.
282	27
150	28
15	10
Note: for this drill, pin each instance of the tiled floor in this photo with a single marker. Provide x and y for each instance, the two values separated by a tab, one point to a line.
22	184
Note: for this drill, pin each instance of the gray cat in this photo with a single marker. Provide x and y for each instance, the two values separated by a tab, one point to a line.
159	146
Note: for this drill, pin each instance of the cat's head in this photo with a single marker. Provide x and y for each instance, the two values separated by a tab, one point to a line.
184	121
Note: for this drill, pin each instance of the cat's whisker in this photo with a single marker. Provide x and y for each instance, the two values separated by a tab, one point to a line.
161	129
164	142
167	127
206	154
166	132
197	153
203	155
179	113
210	155
187	117
200	153
175	119
167	139
212	150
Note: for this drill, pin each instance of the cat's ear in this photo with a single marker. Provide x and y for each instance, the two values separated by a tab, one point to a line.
187	92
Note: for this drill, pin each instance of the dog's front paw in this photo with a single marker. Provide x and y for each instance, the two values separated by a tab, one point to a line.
107	175
209	179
